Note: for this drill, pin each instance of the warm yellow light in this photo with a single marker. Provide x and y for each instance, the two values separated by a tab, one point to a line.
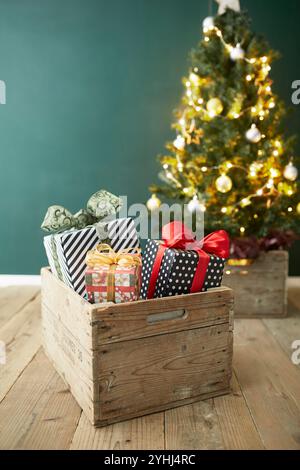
270	184
255	216
194	79
200	100
228	272
185	190
242	230
272	104
254	110
236	115
182	122
219	33
252	61
259	192
212	114
169	175
268	68
165	166
262	113
245	202
276	153
204	169
290	209
264	59
268	89
180	167
198	109
196	69
224	210
253	174
261	118
206	39
188	84
249	78
274	173
229	165
189	93
260	153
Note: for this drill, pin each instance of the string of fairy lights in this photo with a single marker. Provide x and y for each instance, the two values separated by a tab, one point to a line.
273	187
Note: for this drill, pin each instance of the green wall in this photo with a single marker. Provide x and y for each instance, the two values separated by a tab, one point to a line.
91	85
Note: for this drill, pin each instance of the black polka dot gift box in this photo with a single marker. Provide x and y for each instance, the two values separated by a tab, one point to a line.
180	265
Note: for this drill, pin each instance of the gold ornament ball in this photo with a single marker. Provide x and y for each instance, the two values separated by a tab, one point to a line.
224	184
153	203
214	107
298	208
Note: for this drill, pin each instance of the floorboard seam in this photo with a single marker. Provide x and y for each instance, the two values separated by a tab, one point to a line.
248	407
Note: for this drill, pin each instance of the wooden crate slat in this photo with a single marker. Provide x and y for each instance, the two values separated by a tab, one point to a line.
130	321
260	290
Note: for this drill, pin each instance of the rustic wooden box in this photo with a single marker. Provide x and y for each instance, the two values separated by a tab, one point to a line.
260	290
128	360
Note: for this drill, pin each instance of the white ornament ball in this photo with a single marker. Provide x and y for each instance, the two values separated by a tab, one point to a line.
208	23
153	203
179	142
224	184
237	53
253	134
196	206
290	172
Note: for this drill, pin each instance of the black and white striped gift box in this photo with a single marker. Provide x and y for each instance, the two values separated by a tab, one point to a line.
72	247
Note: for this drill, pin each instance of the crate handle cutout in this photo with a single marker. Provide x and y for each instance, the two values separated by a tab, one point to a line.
167	316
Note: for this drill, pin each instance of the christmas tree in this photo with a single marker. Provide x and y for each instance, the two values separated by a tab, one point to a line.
230	156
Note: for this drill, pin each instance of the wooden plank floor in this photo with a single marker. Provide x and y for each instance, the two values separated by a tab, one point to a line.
263	411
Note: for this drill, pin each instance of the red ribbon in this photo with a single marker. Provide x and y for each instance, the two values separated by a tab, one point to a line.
177	236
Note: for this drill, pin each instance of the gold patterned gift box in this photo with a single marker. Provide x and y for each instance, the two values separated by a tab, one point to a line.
113	277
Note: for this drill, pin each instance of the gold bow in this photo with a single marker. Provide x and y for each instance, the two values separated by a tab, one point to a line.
103	254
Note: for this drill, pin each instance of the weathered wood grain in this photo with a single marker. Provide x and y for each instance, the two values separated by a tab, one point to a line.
270	385
21	335
68	306
110	353
142	433
38	412
131	321
260	289
13	299
193	427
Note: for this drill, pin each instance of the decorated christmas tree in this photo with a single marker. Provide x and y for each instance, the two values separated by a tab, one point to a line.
230	156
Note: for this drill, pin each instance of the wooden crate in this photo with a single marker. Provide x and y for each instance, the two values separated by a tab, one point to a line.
260	290
128	360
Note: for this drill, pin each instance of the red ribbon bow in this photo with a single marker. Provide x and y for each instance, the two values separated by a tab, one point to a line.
177	236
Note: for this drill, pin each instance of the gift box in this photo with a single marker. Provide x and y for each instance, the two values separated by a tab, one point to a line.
67	248
113	277
180	265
